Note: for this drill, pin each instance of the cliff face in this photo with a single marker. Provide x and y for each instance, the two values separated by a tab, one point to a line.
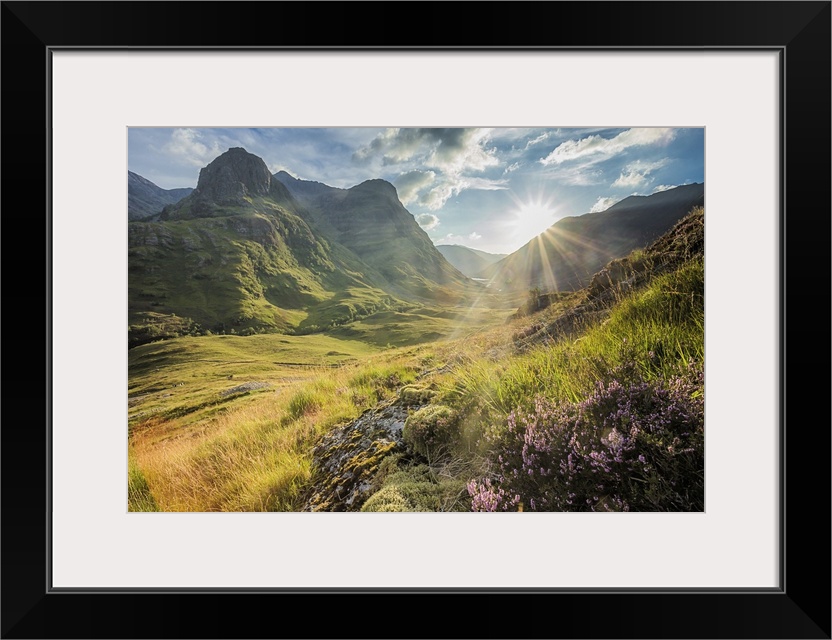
241	252
371	222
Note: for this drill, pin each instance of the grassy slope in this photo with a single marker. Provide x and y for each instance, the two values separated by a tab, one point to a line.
259	272
660	330
370	222
565	256
195	446
250	272
251	451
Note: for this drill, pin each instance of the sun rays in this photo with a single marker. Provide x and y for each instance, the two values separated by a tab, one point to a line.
531	215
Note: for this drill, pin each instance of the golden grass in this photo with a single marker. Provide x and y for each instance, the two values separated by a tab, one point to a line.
189	451
255	455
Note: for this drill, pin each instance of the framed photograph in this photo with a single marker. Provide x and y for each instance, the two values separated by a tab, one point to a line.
94	89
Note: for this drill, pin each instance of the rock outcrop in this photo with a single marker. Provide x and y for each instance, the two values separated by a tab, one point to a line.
346	460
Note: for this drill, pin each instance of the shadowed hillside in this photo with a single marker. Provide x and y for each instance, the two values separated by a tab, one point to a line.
145	199
565	256
471	262
241	254
370	221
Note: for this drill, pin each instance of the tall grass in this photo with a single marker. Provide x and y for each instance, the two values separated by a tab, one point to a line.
255	453
257	457
139	497
661	329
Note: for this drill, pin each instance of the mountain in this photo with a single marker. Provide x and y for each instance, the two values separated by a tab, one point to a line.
145	199
567	254
369	220
240	253
469	261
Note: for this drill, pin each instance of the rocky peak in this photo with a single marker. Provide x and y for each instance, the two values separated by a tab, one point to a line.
233	177
285	177
377	186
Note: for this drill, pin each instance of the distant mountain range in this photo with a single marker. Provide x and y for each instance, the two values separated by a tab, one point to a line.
241	252
370	221
567	254
145	199
471	262
248	251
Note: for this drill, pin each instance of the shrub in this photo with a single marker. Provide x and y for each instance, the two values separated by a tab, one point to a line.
415	489
406	490
412	394
432	430
631	445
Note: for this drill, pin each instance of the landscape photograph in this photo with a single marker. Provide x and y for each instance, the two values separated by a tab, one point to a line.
460	319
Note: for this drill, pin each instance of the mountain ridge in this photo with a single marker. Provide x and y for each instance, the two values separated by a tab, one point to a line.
567	254
146	199
241	253
469	261
370	220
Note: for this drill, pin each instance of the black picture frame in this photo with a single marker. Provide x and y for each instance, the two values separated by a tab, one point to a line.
800	608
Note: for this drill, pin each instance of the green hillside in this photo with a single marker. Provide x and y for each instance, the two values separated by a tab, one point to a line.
591	401
567	254
370	221
241	255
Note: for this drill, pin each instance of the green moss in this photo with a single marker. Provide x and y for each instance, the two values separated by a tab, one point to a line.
412	394
415	489
432	431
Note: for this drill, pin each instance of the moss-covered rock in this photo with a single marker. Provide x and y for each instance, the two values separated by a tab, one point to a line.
416	489
432	431
413	394
348	461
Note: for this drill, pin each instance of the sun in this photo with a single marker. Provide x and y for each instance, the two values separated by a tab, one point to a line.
531	218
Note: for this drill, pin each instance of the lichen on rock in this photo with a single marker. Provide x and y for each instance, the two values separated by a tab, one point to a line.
346	461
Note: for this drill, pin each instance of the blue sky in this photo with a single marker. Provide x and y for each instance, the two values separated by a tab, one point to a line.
490	189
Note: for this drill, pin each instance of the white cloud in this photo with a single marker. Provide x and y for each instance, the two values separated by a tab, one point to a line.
598	148
411	183
427	221
436	197
635	173
602	204
512	134
581	174
663	187
187	144
543	137
452	238
629	179
447	187
512	167
435	164
482	184
451	150
393	144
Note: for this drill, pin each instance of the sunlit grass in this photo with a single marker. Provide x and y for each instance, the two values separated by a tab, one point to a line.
194	446
139	497
662	328
256	454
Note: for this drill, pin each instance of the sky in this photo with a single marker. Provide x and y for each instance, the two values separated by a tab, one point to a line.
489	189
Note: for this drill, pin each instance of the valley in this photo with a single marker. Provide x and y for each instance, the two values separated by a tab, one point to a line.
299	347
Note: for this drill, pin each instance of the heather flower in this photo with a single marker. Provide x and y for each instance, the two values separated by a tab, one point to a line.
630	445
